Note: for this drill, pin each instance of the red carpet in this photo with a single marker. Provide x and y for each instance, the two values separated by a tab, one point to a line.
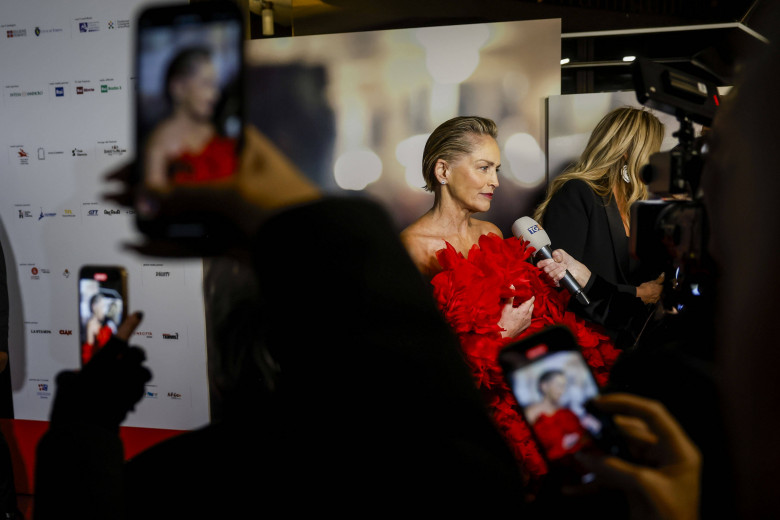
22	438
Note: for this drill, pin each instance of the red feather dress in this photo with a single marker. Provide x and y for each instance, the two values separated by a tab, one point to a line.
470	291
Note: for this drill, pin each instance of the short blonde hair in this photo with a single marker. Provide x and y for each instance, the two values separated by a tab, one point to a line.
452	139
625	136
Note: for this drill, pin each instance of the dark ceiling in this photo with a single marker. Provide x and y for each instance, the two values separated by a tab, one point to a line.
704	37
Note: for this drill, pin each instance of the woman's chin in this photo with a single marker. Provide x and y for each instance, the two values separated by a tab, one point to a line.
483	207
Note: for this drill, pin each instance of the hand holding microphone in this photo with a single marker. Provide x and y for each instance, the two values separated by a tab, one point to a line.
559	261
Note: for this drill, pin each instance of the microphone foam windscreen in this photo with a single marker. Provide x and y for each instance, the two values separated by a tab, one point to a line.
528	229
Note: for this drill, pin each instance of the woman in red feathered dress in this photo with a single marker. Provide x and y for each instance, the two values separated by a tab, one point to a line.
558	429
97	332
185	147
487	290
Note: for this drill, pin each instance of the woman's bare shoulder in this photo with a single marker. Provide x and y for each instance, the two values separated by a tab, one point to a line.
422	244
484	228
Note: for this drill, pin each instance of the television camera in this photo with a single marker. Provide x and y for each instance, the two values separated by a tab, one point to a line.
670	229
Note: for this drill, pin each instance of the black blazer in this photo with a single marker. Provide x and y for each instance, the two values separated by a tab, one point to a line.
590	229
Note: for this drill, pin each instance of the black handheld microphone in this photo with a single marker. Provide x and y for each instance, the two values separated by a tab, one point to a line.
528	229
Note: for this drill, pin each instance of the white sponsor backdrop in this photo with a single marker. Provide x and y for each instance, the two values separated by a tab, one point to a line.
66	108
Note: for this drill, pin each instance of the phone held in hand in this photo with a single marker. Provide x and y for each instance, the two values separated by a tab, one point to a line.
102	306
189	103
553	384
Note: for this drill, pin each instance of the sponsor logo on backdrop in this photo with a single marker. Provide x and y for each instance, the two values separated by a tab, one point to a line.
66	273
104	87
41	153
38	31
40	331
170	335
84	89
93	212
19	154
34	274
111	212
145	333
66	332
22	156
16	92
78	152
15	33
174	395
58	87
118	24
87	25
41	387
68	213
26	93
111	148
45	214
151	392
23	211
161	273
114	151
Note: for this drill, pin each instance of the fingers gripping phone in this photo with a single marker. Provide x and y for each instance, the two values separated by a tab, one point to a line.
102	306
553	384
189	106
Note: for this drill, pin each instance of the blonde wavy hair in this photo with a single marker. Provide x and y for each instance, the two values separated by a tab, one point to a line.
625	136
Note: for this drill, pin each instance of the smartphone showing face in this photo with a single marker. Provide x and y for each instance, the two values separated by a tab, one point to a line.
189	104
552	384
102	306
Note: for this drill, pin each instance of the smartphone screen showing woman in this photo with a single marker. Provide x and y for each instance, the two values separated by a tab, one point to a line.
102	307
189	122
552	393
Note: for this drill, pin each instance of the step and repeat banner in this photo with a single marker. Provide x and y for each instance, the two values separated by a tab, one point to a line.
67	100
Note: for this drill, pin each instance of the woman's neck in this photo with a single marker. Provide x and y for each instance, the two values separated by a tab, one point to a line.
450	217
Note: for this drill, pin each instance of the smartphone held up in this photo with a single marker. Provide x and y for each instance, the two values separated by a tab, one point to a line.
102	306
553	385
189	106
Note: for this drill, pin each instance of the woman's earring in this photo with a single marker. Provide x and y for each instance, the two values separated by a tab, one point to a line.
624	173
444	182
